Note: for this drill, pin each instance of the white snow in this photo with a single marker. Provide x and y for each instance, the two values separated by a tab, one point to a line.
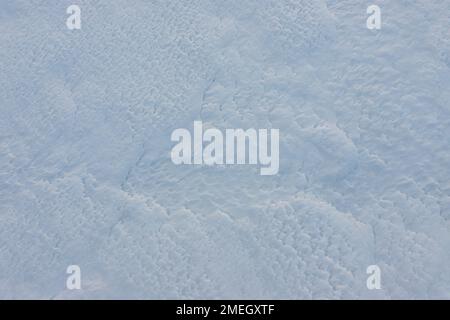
86	176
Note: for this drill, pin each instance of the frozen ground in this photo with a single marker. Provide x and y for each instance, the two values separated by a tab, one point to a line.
86	177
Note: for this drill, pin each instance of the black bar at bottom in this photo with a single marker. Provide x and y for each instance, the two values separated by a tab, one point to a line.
221	309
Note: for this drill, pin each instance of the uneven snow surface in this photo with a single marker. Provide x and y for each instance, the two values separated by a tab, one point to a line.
86	176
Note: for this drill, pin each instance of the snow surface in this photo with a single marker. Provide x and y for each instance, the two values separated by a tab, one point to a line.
85	170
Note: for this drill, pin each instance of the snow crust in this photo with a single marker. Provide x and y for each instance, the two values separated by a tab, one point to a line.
85	170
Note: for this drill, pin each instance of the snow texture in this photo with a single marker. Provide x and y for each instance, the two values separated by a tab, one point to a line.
85	170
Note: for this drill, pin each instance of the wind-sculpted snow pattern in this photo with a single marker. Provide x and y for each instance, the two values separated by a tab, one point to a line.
86	176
